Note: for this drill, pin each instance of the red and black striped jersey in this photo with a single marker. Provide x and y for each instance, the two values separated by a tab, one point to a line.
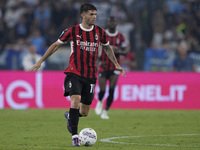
84	49
115	40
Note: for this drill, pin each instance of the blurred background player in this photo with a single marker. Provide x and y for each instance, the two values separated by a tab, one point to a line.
107	70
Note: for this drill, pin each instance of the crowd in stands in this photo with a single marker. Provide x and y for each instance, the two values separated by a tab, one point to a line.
169	25
176	28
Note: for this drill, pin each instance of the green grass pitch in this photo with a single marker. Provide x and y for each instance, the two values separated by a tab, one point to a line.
46	129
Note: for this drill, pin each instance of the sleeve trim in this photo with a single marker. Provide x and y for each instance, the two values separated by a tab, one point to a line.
60	41
105	44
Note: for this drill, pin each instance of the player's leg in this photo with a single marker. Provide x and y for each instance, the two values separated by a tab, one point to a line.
74	118
112	83
87	96
84	109
74	113
73	88
102	86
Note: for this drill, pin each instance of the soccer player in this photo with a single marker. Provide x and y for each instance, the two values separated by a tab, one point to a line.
81	73
107	70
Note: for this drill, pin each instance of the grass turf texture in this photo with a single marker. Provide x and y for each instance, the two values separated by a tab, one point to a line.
47	129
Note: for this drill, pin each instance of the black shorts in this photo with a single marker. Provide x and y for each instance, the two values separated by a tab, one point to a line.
107	74
76	85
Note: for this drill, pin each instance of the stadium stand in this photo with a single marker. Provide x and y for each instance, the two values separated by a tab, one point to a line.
159	25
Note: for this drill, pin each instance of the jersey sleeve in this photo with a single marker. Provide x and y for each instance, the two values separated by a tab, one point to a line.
104	38
123	41
65	36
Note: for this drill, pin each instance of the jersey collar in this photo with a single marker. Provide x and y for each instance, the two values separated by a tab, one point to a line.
111	34
85	28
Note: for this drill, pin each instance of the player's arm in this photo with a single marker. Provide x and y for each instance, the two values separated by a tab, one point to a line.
52	49
109	52
120	50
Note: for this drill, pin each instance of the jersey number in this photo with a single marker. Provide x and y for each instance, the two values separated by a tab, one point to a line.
92	88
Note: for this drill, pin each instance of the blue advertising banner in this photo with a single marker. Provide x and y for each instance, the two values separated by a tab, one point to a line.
158	60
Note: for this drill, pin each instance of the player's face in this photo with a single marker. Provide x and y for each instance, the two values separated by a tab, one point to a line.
112	23
90	17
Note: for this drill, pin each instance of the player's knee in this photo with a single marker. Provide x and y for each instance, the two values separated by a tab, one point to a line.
84	114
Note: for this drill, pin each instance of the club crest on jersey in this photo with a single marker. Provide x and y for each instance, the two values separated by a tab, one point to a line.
96	37
70	84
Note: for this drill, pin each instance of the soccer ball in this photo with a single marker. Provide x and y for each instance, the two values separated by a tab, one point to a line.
87	137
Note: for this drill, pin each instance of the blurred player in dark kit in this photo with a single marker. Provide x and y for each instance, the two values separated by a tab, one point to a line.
107	70
81	74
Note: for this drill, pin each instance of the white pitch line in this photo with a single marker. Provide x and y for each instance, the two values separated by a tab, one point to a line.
109	140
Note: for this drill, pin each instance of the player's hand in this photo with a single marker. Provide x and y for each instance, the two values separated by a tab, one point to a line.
35	67
121	70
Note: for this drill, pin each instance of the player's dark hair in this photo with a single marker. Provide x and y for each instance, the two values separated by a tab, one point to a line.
86	7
